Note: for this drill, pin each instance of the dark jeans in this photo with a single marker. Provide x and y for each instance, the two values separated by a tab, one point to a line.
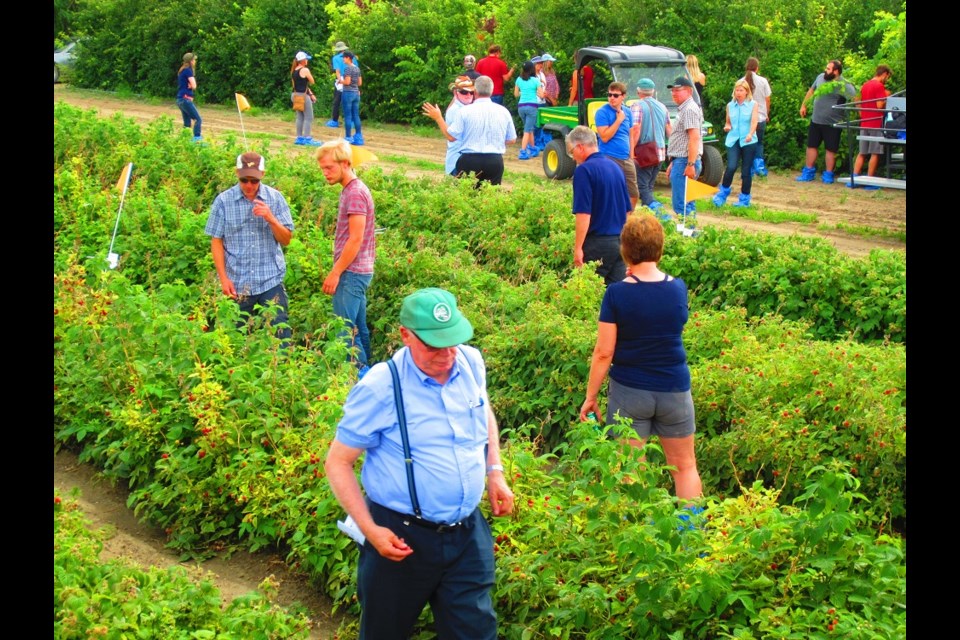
498	99
734	155
277	295
646	178
451	570
761	129
337	96
486	166
189	112
606	249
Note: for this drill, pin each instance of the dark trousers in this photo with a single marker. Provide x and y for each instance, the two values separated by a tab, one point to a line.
487	166
276	295
734	155
337	97
606	249
451	570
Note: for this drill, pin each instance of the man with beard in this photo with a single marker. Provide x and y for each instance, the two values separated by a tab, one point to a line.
831	89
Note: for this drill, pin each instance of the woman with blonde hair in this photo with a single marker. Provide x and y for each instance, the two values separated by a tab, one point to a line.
186	85
699	79
741	127
301	79
640	345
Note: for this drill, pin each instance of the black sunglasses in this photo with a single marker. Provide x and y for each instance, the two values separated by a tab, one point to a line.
253	180
465	92
614	95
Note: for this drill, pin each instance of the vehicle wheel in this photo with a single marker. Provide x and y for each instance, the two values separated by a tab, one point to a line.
56	74
557	165
712	161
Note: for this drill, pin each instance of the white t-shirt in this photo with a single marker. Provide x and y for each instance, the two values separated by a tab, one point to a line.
761	91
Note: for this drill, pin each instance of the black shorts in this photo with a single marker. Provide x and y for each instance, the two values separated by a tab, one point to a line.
828	134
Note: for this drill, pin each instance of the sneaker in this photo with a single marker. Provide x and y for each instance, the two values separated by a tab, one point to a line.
198	138
333	124
532	151
348	139
524	155
357	140
299	140
310	142
807	175
827	177
362	371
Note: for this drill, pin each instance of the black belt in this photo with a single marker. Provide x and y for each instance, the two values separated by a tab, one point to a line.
433	526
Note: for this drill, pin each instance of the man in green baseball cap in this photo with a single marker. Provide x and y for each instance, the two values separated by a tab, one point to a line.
419	509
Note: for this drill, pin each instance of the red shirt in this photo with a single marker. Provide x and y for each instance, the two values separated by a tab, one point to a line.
872	91
494	68
587	84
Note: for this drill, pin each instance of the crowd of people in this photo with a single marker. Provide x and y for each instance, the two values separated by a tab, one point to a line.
422	420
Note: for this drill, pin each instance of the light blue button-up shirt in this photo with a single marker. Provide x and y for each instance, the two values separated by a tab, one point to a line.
447	427
483	127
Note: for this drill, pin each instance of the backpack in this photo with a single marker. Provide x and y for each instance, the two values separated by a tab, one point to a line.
895	124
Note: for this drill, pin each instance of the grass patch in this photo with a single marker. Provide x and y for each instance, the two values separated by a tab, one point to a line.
771	216
413	162
899	235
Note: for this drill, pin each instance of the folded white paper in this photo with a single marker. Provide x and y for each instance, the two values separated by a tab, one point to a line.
350	528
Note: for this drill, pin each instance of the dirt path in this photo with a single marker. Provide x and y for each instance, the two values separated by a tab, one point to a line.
235	576
835	206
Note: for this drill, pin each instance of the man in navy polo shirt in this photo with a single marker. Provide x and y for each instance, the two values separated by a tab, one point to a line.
425	537
601	204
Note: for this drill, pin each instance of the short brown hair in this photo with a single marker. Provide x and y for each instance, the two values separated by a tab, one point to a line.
882	69
494	48
641	239
618	86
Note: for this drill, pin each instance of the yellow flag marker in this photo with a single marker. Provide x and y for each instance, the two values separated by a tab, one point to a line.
696	190
124	176
242	103
361	155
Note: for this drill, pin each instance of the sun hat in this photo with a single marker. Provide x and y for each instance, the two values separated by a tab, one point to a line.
680	81
432	314
462	83
340	46
188	57
536	59
547	58
646	84
250	165
303	55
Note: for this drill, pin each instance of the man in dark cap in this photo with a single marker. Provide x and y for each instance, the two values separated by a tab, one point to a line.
249	224
685	147
425	424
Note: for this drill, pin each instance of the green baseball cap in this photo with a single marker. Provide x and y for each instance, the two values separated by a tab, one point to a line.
433	315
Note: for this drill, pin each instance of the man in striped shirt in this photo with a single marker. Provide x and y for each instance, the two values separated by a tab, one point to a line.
354	247
249	224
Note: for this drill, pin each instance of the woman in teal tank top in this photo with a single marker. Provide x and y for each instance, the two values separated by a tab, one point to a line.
741	127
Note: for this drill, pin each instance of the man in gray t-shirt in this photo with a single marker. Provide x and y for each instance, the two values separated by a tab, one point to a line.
830	89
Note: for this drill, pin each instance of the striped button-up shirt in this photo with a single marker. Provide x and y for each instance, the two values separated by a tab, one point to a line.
253	257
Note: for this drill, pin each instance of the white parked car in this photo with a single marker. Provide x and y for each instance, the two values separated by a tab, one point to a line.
63	60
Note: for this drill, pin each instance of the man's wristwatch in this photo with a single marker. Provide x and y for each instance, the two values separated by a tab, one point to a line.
494	467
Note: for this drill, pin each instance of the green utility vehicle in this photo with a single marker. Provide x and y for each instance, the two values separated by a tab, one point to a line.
628	64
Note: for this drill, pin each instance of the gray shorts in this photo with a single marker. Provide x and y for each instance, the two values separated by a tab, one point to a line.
665	414
870	147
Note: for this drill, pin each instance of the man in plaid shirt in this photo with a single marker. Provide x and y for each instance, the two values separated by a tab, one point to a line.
249	224
354	246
